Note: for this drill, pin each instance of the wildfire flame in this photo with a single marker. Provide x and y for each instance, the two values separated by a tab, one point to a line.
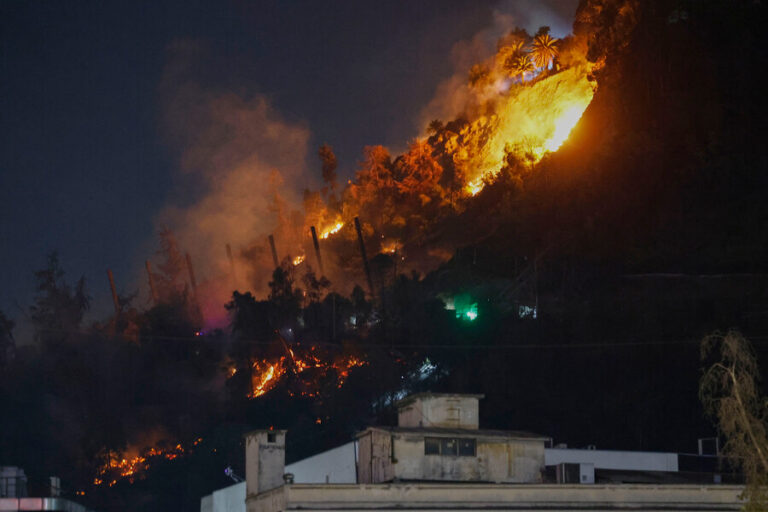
331	230
530	121
298	260
473	187
563	126
119	466
265	375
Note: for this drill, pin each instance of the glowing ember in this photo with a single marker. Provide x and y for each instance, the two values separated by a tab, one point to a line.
121	466
298	260
332	230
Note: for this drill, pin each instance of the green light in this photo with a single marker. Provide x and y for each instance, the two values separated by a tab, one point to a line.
464	307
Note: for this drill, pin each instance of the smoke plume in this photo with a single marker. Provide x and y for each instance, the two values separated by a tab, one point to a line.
234	152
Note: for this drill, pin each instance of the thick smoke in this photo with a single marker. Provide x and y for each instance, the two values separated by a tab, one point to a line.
235	152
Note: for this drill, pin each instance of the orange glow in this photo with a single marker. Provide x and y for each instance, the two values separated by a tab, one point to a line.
265	375
473	187
121	466
390	246
563	126
331	230
530	121
298	260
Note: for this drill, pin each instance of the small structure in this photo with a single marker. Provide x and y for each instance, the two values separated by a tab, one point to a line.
14	494
437	439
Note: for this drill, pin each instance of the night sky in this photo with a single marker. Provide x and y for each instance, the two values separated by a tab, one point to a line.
88	160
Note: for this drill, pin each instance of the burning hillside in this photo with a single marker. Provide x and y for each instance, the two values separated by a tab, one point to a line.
310	367
518	104
133	463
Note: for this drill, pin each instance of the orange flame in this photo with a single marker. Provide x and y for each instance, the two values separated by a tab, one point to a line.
331	230
119	466
266	375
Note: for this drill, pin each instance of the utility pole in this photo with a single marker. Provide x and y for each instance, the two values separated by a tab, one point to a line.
115	300
365	258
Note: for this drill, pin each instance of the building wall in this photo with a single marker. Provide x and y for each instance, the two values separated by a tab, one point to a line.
375	459
230	499
479	497
448	411
264	460
501	460
614	459
335	466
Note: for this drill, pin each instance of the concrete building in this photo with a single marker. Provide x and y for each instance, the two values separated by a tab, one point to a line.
437	458
438	439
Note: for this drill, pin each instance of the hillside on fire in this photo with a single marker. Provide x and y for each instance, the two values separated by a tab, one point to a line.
592	207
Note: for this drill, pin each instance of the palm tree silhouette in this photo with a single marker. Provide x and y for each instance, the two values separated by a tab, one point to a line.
544	50
522	65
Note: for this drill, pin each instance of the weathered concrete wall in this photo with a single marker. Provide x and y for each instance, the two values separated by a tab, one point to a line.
449	411
375	462
268	501
502	460
264	460
450	497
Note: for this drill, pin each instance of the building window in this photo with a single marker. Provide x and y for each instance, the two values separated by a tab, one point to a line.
467	447
271	437
450	446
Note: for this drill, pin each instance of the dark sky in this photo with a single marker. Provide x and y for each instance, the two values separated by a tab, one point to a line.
85	163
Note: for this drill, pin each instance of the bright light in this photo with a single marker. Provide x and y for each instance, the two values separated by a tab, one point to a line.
332	230
475	186
563	126
471	315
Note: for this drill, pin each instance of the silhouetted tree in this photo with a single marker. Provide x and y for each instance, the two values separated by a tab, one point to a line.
730	394
329	165
7	343
544	50
58	308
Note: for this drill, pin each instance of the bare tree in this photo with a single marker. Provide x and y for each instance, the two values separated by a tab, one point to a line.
730	394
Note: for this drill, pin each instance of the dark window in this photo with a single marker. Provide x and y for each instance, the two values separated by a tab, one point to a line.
450	446
271	437
467	447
